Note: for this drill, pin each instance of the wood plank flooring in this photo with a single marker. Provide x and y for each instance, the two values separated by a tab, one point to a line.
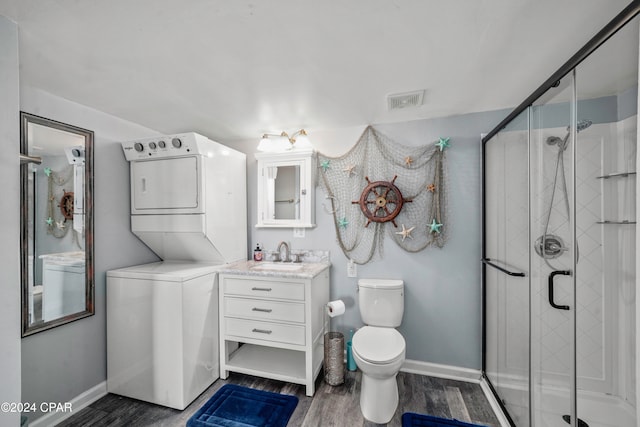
330	407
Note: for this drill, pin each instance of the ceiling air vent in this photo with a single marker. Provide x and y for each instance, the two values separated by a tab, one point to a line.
398	101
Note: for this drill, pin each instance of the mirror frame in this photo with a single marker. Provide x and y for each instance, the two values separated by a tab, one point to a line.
305	160
27	329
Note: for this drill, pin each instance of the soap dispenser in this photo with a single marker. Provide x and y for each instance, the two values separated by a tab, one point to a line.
257	253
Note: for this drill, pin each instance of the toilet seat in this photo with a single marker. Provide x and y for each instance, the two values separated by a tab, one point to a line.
378	345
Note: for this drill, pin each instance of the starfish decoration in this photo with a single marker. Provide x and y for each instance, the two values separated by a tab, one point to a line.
406	232
435	226
350	170
325	164
408	160
443	143
431	187
47	171
49	221
60	225
342	222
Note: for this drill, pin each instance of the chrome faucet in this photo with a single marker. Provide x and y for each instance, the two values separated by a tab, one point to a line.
287	251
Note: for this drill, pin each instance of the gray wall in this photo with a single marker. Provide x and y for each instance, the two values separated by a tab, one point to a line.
606	109
10	218
442	320
61	363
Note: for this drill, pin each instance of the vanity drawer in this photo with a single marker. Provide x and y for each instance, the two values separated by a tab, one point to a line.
264	309
260	330
266	289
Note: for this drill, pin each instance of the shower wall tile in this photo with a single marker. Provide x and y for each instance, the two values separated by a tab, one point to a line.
555	329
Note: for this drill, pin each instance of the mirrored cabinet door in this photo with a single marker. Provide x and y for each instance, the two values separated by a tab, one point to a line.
56	223
285	189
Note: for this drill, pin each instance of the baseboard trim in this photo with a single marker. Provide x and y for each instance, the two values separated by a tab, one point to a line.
441	371
77	404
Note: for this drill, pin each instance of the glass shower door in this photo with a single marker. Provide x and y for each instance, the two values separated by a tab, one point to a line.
506	262
560	206
552	256
605	219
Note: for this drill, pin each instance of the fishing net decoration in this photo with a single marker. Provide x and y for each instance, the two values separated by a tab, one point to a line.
421	177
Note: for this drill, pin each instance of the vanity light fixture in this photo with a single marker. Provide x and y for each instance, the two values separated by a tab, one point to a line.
283	142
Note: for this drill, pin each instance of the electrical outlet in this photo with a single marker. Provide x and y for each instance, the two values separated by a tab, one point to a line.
298	232
352	269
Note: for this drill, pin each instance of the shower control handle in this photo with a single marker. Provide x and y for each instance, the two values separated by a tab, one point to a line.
551	285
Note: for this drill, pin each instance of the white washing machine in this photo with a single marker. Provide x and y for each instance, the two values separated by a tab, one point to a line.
162	331
63	279
188	204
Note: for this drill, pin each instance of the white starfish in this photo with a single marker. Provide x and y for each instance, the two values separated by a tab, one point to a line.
60	225
406	232
350	170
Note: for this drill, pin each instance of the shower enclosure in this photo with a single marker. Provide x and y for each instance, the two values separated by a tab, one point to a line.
559	257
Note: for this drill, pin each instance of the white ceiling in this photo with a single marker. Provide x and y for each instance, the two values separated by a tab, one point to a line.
233	69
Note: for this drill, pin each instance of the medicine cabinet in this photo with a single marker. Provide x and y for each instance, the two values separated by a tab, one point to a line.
286	190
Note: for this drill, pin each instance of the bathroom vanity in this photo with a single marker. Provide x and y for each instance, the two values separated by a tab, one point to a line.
272	320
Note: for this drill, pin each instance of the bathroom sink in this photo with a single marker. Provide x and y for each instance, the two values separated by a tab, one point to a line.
272	266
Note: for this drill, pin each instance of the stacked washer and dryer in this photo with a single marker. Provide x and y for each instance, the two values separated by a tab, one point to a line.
188	204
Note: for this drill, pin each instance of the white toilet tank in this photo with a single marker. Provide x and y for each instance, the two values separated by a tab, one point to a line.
381	302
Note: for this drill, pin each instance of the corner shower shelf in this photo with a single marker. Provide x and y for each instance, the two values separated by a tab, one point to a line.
615	175
616	222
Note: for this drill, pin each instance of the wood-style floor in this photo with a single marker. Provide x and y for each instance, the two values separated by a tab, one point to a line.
330	406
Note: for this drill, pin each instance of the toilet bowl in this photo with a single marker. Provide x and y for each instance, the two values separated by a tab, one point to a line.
379	352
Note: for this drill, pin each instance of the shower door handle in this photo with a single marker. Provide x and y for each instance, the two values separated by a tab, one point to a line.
551	284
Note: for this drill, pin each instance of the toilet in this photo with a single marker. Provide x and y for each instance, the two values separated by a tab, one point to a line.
378	348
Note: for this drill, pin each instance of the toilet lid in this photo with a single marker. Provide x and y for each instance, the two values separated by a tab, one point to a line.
378	345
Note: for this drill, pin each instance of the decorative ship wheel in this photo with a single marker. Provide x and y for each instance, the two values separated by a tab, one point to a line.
66	205
381	201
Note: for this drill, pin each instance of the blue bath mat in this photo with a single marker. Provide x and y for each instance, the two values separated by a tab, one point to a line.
237	406
409	419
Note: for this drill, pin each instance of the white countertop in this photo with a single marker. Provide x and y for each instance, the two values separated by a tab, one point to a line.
303	270
64	258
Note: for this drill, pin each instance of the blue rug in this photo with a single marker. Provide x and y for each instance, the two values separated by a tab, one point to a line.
237	406
409	419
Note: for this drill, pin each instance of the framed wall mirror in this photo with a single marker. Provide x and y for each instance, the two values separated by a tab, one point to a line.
286	189
56	223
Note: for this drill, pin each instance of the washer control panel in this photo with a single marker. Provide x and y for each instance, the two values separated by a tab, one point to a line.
162	147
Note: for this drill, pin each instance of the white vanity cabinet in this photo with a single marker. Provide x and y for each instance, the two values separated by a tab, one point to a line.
271	325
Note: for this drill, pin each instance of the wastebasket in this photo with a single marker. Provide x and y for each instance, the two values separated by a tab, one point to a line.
334	358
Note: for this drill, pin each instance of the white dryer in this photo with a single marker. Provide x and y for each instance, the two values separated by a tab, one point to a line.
189	198
188	204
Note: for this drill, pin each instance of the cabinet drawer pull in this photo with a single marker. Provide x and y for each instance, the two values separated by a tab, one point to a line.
261	331
264	310
261	289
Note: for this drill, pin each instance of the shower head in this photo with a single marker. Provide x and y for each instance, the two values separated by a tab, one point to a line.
583	124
